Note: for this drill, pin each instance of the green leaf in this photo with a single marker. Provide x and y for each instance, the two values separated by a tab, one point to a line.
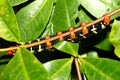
16	2
2	67
104	45
67	47
3	54
101	68
83	16
59	69
69	15
33	19
3	62
48	31
90	54
99	7
115	37
8	23
67	11
24	66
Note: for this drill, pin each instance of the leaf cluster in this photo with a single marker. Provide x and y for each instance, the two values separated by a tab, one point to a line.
39	18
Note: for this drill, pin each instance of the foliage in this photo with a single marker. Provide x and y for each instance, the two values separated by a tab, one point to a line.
115	33
39	18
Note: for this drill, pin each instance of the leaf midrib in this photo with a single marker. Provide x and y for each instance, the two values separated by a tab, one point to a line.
60	69
23	65
37	12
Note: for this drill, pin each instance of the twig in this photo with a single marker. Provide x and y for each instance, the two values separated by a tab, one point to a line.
77	68
65	34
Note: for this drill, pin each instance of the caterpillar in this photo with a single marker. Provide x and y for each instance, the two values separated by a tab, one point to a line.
72	35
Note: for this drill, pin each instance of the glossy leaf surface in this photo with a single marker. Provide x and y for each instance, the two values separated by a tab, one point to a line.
8	23
67	47
71	14
24	66
99	7
101	68
16	2
115	37
59	69
33	18
67	11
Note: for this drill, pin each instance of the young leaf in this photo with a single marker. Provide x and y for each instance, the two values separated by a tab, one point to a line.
99	7
8	23
67	47
16	2
115	37
24	66
33	18
59	69
101	68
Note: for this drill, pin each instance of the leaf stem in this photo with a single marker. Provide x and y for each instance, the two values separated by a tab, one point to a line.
62	35
77	68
